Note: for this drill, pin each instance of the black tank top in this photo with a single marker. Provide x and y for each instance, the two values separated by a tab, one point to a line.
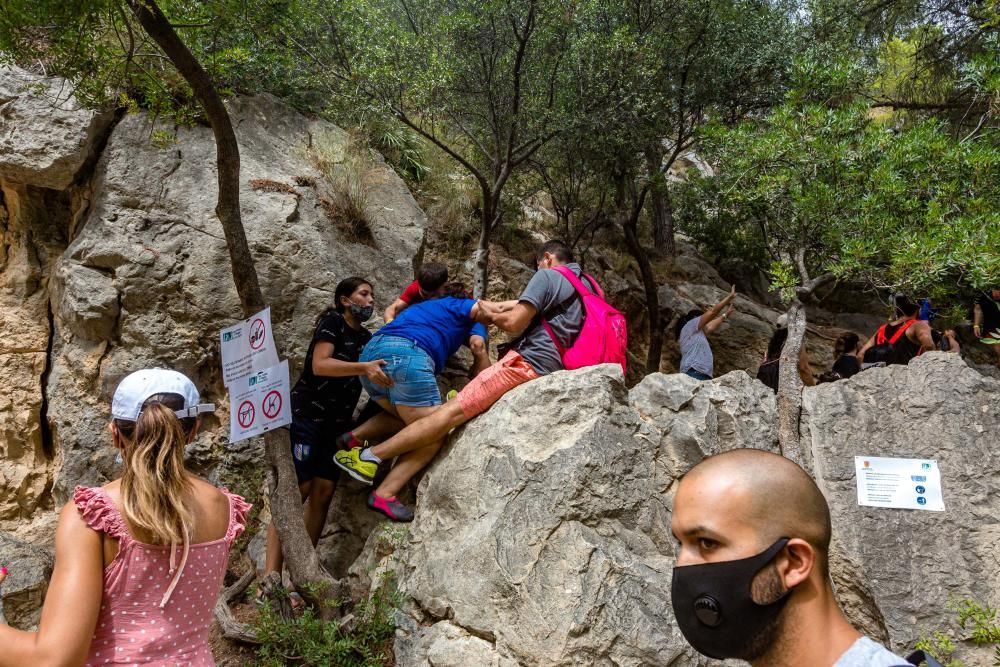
903	349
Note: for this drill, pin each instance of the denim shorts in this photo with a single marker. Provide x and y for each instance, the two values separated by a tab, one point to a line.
410	369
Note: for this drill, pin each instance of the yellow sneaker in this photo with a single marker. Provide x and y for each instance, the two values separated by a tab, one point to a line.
351	462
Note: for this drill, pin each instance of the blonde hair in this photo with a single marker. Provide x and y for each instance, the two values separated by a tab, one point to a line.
155	487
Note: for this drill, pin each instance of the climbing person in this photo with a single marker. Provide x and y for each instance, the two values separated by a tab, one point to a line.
768	370
416	346
752	578
430	279
692	336
899	340
139	562
986	320
550	316
946	341
324	400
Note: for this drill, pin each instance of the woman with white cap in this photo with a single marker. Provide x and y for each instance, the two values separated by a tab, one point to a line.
140	561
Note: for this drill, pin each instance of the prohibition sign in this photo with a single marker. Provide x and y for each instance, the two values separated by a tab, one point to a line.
257	334
271	404
245	414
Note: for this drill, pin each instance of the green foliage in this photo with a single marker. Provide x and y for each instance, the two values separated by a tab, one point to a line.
899	206
979	622
309	640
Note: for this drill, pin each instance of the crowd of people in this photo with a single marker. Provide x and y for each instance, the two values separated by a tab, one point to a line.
140	561
904	337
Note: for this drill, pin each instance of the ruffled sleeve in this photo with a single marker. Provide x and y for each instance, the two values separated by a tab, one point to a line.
238	510
98	511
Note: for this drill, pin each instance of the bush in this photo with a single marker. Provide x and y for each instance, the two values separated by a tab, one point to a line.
310	640
977	621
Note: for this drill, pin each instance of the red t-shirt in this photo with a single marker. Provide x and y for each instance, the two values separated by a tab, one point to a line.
411	294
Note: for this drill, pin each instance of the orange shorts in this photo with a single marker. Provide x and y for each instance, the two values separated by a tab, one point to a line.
487	387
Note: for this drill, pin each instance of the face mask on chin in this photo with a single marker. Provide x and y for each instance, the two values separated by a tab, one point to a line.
715	610
362	313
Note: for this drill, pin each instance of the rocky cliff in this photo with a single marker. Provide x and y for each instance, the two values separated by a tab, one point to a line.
111	258
543	530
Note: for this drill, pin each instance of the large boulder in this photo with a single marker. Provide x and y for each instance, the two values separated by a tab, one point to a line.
543	531
24	589
898	569
47	134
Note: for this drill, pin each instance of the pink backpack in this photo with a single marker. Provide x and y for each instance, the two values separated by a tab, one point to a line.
604	335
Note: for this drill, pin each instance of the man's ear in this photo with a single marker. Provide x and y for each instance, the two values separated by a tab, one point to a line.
796	562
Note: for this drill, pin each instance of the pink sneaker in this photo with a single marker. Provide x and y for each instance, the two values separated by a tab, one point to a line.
390	507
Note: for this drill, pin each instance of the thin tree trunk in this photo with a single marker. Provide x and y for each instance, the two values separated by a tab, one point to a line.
629	219
307	574
482	256
790	386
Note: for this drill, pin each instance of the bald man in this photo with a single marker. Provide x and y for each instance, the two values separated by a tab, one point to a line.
752	579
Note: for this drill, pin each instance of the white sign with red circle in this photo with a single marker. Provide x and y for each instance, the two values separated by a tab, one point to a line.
247	347
261	403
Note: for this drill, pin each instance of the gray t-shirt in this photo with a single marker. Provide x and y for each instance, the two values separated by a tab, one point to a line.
549	292
867	653
696	353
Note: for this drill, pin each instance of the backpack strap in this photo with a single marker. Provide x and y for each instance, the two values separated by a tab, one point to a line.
918	657
899	332
880	335
581	292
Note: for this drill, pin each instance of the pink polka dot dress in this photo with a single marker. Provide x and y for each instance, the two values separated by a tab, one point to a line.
154	611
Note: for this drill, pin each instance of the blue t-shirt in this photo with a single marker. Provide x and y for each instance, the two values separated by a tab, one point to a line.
438	326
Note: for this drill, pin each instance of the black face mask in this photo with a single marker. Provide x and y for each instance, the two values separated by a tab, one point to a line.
362	313
714	609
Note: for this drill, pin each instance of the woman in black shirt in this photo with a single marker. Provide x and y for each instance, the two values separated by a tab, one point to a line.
323	402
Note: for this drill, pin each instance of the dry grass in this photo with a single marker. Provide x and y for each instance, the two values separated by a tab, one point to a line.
267	185
345	201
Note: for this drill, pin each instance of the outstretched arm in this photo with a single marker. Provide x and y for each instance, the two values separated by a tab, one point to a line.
325	365
715	311
511	318
717	322
394	309
924	337
72	603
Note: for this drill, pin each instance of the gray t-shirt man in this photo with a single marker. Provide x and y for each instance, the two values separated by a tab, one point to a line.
549	292
867	653
696	353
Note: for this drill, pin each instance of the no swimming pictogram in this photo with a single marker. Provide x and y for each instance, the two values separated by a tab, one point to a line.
272	404
246	414
258	333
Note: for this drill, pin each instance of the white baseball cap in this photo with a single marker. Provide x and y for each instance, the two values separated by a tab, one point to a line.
133	391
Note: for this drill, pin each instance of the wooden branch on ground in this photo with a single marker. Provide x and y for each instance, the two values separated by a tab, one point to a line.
231	628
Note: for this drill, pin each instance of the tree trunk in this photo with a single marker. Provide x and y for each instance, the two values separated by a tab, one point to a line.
307	574
629	219
790	386
482	256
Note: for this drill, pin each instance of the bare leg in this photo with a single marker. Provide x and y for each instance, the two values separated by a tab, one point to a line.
406	467
379	426
422	432
273	558
317	506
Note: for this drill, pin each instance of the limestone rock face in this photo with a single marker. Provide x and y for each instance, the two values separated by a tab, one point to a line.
112	258
24	589
543	531
897	569
47	135
45	140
